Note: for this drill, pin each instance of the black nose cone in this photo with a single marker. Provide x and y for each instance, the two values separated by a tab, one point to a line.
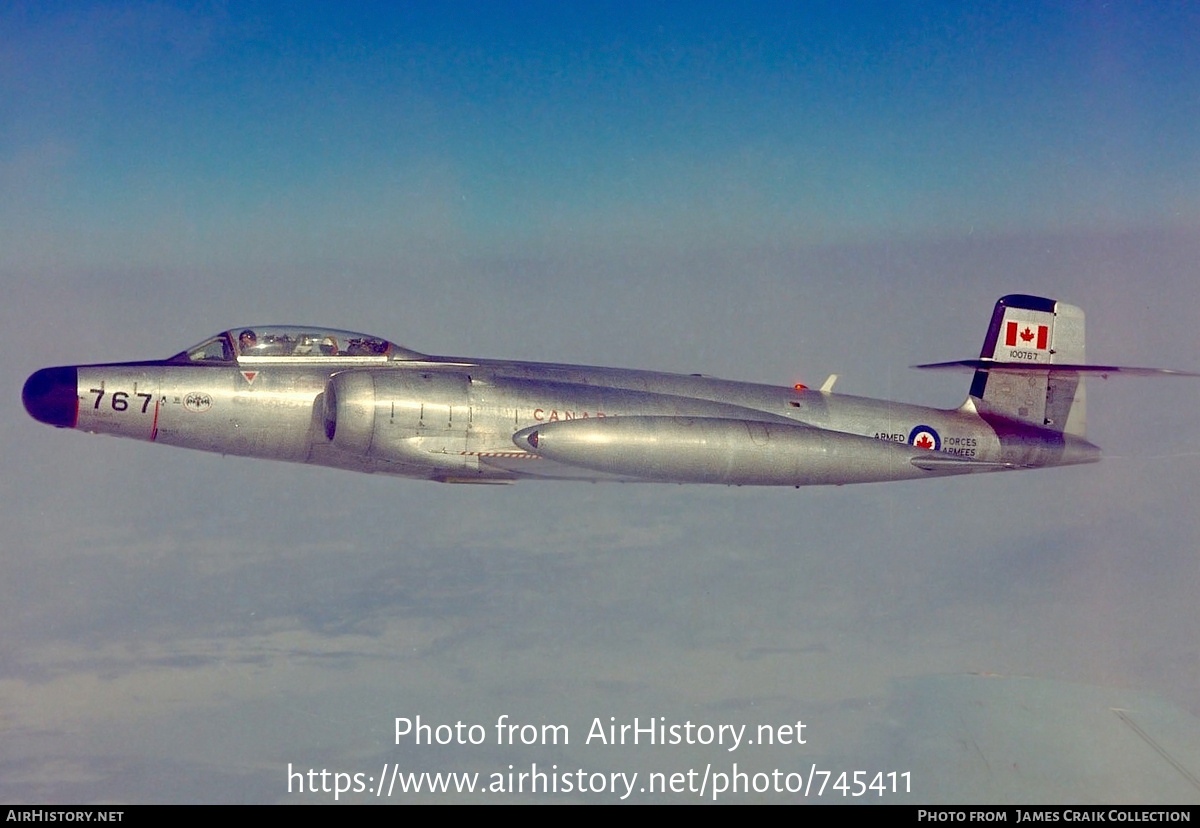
51	396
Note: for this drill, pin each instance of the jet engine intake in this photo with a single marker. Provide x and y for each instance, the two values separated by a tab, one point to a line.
349	411
400	417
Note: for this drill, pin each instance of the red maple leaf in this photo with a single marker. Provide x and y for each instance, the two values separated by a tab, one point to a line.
1027	334
924	442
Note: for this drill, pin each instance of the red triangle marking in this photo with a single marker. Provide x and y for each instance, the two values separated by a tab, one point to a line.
249	375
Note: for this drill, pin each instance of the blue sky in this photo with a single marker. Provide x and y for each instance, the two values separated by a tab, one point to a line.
772	194
551	125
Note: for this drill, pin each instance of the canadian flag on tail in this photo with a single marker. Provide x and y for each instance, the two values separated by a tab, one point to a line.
1026	335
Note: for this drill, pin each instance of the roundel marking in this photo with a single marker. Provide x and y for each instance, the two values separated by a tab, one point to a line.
925	437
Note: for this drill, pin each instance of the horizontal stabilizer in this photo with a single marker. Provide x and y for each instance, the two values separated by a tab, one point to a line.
1037	368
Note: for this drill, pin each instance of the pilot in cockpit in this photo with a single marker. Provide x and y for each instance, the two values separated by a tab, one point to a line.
247	341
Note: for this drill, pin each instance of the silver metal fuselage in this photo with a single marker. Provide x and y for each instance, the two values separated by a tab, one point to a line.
465	420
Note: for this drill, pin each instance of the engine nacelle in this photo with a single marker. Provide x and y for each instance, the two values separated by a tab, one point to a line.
400	416
714	450
349	411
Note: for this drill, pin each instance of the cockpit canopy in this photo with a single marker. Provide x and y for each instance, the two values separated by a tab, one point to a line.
288	342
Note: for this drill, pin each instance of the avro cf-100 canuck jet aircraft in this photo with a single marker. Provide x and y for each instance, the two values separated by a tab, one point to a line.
332	398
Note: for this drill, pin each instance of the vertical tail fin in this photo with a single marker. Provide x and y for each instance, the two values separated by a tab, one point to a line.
1029	332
